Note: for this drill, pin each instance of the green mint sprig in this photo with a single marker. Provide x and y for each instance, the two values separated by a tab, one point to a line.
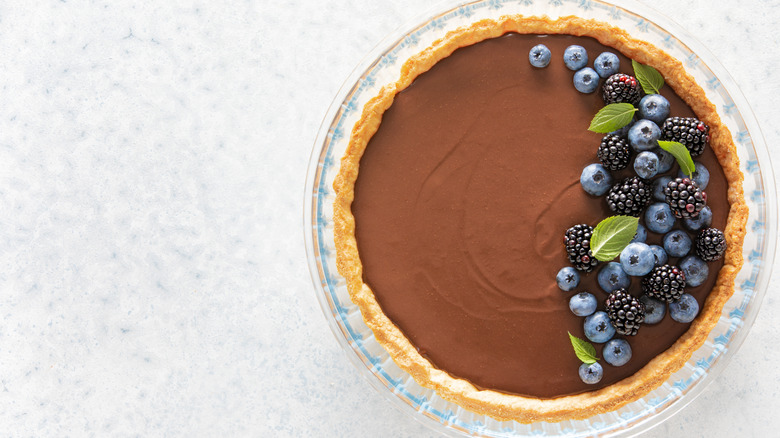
612	235
682	154
612	117
648	77
584	350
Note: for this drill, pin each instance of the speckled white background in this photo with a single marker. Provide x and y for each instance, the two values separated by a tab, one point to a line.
152	162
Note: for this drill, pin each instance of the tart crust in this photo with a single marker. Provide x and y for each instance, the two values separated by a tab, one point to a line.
499	405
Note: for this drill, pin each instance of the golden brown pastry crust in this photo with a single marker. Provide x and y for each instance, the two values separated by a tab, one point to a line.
496	404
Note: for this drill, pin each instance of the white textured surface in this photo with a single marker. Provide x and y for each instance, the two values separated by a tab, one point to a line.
154	279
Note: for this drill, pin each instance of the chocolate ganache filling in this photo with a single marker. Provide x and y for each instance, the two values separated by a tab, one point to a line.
461	204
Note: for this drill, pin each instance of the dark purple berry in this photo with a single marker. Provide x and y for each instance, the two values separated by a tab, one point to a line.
577	242
684	197
665	283
625	312
689	131
621	87
710	244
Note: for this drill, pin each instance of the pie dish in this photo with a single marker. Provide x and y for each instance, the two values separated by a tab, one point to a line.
528	419
496	403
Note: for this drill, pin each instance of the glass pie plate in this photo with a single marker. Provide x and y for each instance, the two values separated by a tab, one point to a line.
383	65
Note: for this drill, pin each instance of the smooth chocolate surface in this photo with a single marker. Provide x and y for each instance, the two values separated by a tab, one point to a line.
461	203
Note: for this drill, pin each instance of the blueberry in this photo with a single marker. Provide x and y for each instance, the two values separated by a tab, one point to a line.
575	57
586	80
677	243
606	64
598	327
703	220
695	270
539	56
637	259
654	107
659	184
641	234
646	164
583	304
654	309
617	352
659	218
591	373
568	278
596	179
665	160
660	255
612	277
644	135
701	176
685	309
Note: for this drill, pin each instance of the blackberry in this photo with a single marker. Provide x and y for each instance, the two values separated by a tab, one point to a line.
630	196
684	197
614	152
625	312
621	87
577	241
710	244
690	131
665	283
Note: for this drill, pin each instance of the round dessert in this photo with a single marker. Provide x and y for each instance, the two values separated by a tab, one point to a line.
450	235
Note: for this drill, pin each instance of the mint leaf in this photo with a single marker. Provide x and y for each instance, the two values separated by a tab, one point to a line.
612	235
682	154
648	77
612	117
583	349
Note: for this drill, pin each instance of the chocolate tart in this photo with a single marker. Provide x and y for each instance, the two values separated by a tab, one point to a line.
451	201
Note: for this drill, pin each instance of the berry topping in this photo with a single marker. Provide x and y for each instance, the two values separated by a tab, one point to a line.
612	277
586	80
567	278
665	283
621	87
701	176
641	234
598	327
695	269
637	259
539	56
659	218
591	373
710	244
703	220
654	309
654	107
625	312
606	64
577	241
583	304
660	256
646	164
690	131
617	352
684	197
613	152
677	243
630	196
665	160
595	179
644	135
685	309
576	57
659	184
